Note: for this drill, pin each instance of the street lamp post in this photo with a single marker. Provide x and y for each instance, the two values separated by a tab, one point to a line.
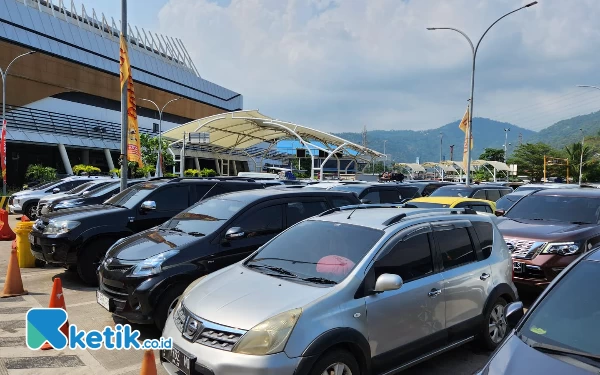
159	172
441	145
474	50
384	160
506	130
4	74
581	156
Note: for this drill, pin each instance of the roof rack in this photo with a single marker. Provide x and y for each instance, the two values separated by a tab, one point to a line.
399	217
361	206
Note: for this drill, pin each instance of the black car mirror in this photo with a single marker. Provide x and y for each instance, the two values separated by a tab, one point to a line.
148	206
234	233
513	313
499	213
55	190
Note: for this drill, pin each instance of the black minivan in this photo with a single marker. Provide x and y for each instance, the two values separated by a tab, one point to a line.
143	275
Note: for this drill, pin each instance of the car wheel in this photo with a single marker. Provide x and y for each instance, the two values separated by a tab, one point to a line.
494	325
30	210
166	304
336	362
90	257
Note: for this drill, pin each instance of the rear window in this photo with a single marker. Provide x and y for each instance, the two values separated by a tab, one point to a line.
452	191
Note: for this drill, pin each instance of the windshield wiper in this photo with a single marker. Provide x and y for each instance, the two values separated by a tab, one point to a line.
588	358
115	205
319	280
580	222
279	270
175	229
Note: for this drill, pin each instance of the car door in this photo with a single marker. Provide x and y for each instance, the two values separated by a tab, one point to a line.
260	223
467	281
403	322
169	200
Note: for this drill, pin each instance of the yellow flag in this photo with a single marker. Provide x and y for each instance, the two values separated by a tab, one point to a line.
464	126
134	152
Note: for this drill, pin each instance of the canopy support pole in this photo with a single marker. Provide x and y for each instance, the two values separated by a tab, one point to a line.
331	153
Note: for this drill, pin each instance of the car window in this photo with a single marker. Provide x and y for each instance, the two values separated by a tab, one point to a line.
568	317
133	195
479	194
389	196
262	220
171	198
340	202
481	207
485	234
372	196
493	195
206	216
407	192
452	191
505	192
82	187
320	249
68	185
298	211
507	201
410	259
455	247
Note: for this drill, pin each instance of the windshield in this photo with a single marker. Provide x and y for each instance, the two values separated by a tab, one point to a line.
454	191
569	316
428	204
80	188
105	189
317	249
44	186
204	217
354	189
131	196
585	210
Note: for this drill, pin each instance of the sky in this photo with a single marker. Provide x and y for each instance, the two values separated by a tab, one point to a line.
339	65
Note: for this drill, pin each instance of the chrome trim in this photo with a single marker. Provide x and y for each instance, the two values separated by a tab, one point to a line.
212	325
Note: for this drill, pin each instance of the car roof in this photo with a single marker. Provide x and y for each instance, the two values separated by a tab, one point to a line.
587	193
264	194
447	200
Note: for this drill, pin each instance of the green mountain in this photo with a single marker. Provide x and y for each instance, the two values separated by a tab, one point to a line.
406	145
567	131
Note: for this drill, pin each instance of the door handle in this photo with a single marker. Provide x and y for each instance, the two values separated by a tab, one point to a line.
434	293
484	276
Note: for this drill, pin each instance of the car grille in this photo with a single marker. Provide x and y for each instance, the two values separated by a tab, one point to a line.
208	333
115	292
524	249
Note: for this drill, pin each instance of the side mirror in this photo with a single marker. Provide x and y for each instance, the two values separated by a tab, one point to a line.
148	206
55	190
513	313
234	233
388	281
499	213
365	201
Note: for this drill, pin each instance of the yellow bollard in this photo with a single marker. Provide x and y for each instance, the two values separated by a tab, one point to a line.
26	258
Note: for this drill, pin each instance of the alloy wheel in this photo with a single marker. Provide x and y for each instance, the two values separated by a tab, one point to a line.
337	368
497	324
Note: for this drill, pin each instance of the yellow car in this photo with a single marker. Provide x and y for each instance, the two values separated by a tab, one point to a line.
479	205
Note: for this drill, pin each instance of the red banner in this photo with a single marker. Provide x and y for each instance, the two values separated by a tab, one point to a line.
3	151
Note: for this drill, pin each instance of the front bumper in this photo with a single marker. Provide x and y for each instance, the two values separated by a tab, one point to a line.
58	250
210	361
15	208
539	271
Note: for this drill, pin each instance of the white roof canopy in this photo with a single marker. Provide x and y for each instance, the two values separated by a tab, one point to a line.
244	129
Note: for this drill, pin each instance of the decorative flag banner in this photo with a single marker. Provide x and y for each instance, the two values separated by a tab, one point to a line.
134	152
464	126
3	151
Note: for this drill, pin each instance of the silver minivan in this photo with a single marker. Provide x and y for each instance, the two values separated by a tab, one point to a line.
356	290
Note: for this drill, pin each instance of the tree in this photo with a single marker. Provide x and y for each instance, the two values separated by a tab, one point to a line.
529	158
492	154
149	146
37	172
574	156
378	167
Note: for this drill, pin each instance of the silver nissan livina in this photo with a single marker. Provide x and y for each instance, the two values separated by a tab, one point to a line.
356	290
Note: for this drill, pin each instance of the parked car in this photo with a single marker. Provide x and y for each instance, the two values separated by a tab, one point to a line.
559	334
356	290
80	237
428	187
96	196
552	186
42	206
25	202
144	274
547	229
485	191
479	205
380	192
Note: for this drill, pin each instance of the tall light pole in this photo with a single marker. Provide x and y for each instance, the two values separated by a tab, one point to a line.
124	163
506	130
4	74
384	154
581	156
159	172
474	50
441	145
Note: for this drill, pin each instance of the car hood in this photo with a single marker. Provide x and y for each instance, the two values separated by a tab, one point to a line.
542	230
85	213
516	357
149	243
242	298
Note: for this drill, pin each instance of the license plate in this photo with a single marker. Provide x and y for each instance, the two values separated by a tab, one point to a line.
519	267
181	359
103	300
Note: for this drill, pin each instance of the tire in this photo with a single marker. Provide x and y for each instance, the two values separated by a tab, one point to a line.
336	362
494	326
89	259
166	303
30	210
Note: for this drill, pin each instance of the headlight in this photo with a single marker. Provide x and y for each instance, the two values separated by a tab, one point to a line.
60	227
152	266
561	248
269	336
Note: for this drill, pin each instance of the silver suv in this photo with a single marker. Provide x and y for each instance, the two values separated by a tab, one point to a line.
357	290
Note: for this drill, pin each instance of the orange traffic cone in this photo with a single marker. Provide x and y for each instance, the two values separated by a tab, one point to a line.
24	218
13	285
148	363
6	234
57	301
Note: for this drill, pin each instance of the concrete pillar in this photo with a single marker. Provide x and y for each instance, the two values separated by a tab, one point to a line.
235	172
85	156
218	166
197	163
65	158
109	159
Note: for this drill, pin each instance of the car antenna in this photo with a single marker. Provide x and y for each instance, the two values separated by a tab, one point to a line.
352	213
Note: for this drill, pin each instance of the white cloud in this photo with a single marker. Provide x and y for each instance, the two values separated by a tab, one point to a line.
339	65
